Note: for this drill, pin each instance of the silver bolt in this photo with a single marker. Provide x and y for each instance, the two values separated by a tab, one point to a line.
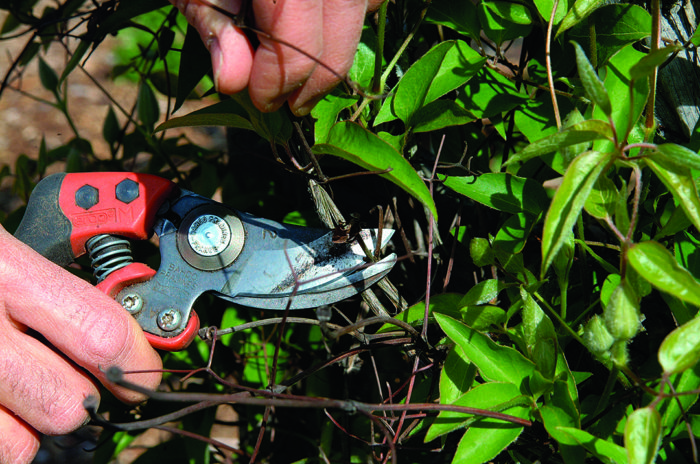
132	303
169	320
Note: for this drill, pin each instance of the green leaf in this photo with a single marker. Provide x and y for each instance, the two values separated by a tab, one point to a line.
326	114
438	115
567	203
658	266
630	97
679	155
110	127
48	76
227	113
456	377
679	181
580	11
513	234
501	191
442	69
647	65
545	9
360	146
616	26
484	292
147	106
642	435
582	132
680	350
483	317
445	303
362	70
495	362
75	58
503	21
560	410
489	94
460	16
488	396
595	90
481	252
195	63
602	200
606	451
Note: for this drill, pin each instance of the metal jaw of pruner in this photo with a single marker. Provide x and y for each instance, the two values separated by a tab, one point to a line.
206	246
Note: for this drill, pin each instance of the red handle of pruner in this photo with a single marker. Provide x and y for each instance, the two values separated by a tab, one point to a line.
66	210
133	274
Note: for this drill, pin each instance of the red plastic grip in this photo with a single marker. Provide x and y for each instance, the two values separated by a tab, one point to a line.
118	203
135	273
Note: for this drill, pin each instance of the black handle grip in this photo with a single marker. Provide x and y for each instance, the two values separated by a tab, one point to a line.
44	227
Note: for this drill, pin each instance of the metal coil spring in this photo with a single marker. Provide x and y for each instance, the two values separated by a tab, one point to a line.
108	254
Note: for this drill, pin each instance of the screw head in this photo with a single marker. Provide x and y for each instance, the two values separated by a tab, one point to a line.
132	303
169	320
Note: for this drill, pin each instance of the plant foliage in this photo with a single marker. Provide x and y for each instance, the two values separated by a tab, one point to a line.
546	306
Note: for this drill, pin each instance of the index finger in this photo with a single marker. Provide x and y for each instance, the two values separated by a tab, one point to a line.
80	321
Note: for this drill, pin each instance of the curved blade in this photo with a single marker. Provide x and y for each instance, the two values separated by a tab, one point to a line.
301	267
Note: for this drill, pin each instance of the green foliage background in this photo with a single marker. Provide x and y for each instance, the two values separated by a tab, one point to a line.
548	226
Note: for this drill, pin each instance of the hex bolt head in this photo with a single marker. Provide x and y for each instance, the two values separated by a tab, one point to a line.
132	303
169	320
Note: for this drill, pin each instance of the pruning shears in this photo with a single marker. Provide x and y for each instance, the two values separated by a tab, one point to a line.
205	246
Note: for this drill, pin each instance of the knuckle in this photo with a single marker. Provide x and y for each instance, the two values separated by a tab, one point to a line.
105	337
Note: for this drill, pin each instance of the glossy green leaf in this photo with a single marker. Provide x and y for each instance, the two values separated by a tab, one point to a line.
495	362
630	97
484	292
545	9
460	16
602	200
582	132
680	350
444	303
362	70
672	412
487	396
560	410
456	377
444	68
642	435
483	317
147	106
486	438
647	65
658	266
569	200
580	11
501	191
489	94
679	155
513	234
503	21
595	90
47	76
679	181
438	115
360	146
617	25
326	114
227	113
540	336
606	451
481	252
195	63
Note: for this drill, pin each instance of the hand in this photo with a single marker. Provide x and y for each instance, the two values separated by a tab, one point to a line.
326	29
42	387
